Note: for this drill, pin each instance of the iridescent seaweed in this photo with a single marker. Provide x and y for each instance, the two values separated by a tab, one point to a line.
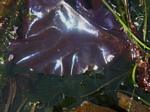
58	39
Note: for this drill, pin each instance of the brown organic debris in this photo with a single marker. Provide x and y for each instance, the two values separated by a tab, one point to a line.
131	105
90	107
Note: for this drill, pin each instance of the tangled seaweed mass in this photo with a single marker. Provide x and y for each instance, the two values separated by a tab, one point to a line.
143	71
60	39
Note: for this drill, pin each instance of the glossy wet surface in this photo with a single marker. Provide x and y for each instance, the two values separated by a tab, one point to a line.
22	87
58	39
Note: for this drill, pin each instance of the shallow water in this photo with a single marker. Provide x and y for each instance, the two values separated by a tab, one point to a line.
52	93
